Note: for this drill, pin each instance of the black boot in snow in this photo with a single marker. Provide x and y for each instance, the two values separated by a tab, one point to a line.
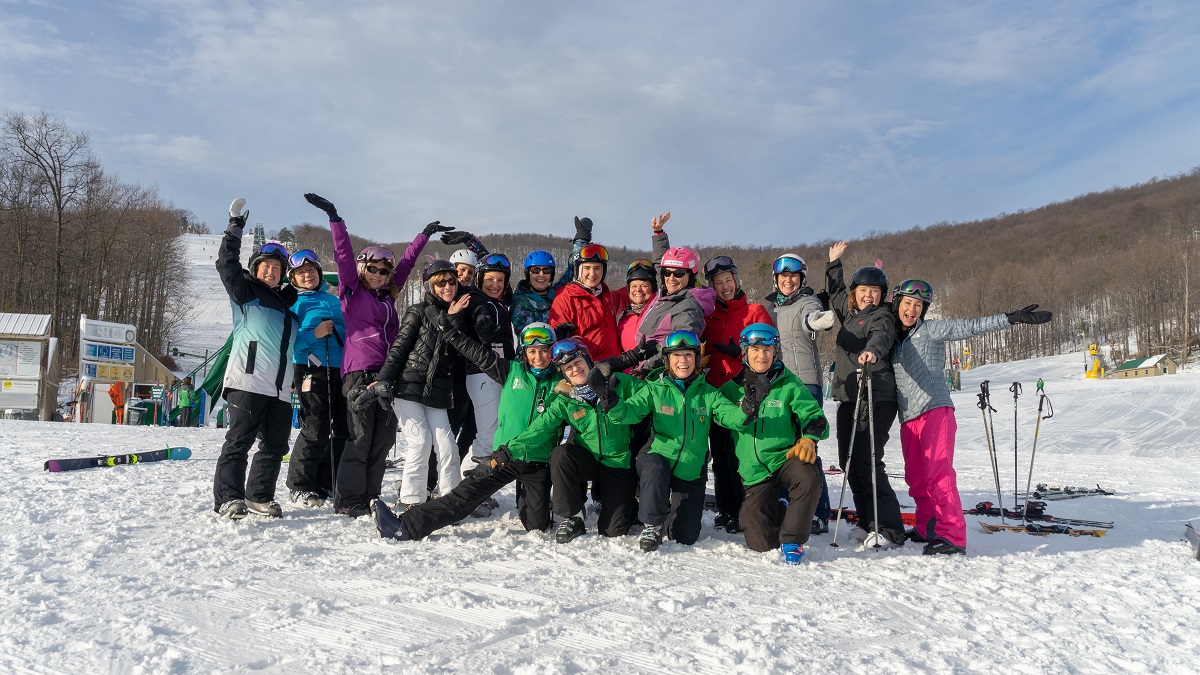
940	546
568	529
389	526
651	538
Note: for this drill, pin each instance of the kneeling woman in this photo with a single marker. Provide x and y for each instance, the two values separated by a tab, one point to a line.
778	449
682	406
927	424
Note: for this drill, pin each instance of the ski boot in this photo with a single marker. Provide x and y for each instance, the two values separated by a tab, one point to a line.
389	526
234	509
568	529
722	520
820	525
352	510
940	546
651	538
307	498
269	509
793	554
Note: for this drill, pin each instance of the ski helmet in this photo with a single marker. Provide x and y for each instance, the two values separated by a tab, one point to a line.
913	288
721	263
792	263
494	262
870	276
681	257
590	253
641	269
270	251
435	267
301	258
565	351
758	334
680	341
540	259
376	254
536	333
464	256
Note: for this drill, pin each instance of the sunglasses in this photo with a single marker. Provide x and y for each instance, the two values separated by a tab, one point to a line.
594	253
721	263
305	256
383	270
916	288
273	249
681	339
445	282
759	337
497	260
377	253
536	335
678	274
789	265
541	270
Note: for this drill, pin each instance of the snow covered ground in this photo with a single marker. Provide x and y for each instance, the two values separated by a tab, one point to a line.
127	569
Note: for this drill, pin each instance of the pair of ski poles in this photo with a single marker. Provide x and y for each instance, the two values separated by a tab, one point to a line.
985	406
864	388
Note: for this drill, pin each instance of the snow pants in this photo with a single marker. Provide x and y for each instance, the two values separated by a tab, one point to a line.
823	510
767	522
928	445
571	466
371	434
667	500
485	399
727	484
422	428
323	430
533	499
862	464
252	415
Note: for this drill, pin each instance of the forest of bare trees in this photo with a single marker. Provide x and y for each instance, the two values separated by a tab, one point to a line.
1113	266
80	241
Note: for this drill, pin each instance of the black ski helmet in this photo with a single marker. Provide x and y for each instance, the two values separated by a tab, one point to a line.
270	251
642	270
870	276
437	266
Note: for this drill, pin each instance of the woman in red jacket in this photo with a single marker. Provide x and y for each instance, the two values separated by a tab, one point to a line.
588	304
722	330
641	283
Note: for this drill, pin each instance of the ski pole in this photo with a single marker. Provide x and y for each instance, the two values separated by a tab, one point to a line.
874	457
329	399
1016	391
1042	399
849	455
985	405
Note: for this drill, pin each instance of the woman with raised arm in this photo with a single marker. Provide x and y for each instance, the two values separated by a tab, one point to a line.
368	286
589	305
535	293
679	304
927	424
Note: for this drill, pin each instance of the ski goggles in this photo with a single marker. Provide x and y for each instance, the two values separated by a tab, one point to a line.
565	351
752	336
593	253
721	263
377	254
915	288
790	265
304	256
640	264
272	248
680	340
537	335
496	260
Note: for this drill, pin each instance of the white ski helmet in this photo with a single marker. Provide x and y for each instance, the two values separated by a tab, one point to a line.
464	256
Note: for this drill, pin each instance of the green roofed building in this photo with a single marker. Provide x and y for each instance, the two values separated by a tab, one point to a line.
1147	367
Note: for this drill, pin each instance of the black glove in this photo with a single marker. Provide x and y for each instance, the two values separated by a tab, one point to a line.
731	349
565	330
323	204
382	391
359	398
583	229
646	350
435	227
758	387
456	238
598	381
486	466
1028	315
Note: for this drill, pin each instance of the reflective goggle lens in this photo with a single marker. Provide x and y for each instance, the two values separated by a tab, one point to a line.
641	263
917	288
497	260
537	335
790	265
378	254
564	351
719	263
594	252
305	256
681	339
760	337
272	248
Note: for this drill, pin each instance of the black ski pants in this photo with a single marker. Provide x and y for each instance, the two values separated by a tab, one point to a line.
571	466
533	499
323	430
862	464
727	484
251	416
372	433
766	521
675	504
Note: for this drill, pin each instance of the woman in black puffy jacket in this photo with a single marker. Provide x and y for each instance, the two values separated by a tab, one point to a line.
419	372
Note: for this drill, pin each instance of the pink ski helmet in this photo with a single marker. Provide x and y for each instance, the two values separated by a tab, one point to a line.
681	257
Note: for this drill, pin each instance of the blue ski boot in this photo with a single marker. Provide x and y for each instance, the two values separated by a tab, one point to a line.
389	526
793	554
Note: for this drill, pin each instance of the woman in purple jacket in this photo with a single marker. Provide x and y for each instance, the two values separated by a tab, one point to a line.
368	286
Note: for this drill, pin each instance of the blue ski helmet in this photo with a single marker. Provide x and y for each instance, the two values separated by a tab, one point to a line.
540	259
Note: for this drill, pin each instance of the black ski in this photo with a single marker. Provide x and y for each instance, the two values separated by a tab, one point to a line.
1042	530
1054	492
1036	513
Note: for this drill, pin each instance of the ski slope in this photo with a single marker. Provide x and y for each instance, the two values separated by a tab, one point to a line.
127	569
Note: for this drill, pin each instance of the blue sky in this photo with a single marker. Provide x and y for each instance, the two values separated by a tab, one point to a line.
779	122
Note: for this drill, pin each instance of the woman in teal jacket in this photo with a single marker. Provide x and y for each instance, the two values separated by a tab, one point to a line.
317	374
779	448
682	406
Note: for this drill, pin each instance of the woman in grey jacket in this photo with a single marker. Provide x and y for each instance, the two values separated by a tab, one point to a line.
927	424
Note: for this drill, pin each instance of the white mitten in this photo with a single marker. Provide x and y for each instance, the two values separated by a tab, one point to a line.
235	209
820	320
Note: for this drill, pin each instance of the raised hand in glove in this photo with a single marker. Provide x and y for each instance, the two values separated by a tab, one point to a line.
457	238
565	330
731	349
757	388
820	320
323	204
804	450
583	229
1028	315
236	215
435	227
598	380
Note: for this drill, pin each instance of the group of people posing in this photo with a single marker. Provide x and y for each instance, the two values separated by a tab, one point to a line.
565	385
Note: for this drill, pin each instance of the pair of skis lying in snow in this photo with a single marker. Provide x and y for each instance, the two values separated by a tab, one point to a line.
56	465
1043	523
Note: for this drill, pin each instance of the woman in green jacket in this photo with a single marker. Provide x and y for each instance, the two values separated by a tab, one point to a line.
779	448
682	406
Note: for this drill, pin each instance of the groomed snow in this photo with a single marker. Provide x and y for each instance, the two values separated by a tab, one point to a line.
127	569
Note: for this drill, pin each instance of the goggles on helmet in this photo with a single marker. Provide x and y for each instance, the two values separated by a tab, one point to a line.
565	351
640	264
303	256
593	253
915	288
789	264
496	260
537	335
680	340
273	249
377	254
759	334
721	263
